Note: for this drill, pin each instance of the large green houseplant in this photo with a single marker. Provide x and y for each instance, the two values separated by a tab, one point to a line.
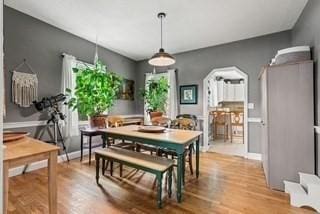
156	96
95	92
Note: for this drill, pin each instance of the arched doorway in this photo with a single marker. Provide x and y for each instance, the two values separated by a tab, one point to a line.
206	109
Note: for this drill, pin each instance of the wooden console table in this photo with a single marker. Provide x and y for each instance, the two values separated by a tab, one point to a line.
26	151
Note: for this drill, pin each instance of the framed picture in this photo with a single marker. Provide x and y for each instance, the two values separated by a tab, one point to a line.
126	90
189	94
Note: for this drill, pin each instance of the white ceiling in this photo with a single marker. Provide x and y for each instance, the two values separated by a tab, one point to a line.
130	27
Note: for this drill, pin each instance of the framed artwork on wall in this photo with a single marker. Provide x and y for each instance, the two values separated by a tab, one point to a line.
188	94
126	90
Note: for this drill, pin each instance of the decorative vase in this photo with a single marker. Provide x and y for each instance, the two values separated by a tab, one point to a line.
98	121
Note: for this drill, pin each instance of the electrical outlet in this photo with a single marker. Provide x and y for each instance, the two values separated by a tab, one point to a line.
250	105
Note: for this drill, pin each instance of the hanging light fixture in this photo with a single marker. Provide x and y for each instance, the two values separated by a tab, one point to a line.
161	58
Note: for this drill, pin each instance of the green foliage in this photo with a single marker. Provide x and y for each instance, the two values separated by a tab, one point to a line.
156	94
96	90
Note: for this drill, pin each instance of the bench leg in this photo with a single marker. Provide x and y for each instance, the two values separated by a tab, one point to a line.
170	182
97	157
159	199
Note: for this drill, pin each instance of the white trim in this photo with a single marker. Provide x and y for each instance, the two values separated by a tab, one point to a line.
317	129
14	125
254	156
42	164
205	106
254	120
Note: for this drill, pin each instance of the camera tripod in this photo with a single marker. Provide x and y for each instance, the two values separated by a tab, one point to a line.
53	122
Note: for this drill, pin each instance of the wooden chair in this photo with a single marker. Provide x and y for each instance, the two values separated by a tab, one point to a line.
189	116
156	121
116	121
237	121
187	123
161	121
220	119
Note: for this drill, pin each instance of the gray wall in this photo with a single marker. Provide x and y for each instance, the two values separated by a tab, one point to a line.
307	32
248	55
42	44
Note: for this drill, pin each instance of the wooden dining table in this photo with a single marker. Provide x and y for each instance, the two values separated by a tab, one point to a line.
25	151
172	139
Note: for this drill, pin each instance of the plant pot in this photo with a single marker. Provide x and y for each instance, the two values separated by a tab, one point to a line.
154	114
98	121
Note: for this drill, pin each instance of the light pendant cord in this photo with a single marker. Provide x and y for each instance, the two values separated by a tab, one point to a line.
161	30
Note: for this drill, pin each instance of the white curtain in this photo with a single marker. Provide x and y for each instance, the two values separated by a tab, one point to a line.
71	127
172	104
173	98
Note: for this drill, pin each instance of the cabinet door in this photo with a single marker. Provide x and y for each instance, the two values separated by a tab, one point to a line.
238	92
228	92
220	91
264	124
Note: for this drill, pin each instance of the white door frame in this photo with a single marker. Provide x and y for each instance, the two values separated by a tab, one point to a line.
206	112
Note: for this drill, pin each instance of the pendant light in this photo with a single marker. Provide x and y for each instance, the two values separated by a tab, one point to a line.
161	58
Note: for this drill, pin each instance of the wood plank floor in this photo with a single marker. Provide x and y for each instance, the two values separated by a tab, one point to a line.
227	184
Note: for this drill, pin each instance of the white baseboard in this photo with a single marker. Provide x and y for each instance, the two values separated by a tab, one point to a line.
254	156
42	164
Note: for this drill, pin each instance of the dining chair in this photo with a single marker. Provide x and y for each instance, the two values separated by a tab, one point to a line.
220	119
161	121
156	121
237	121
184	122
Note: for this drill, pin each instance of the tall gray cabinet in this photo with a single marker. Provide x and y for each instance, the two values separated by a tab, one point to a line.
287	132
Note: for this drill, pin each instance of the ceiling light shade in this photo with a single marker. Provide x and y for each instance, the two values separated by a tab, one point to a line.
161	58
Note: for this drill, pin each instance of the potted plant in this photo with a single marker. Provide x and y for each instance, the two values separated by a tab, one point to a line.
156	96
95	92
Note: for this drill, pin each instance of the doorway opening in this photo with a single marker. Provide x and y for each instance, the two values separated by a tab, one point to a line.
225	111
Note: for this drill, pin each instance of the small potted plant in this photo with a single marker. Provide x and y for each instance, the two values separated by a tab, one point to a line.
156	96
95	92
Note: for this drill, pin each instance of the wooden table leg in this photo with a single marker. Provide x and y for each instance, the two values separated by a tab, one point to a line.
52	184
197	156
5	186
81	141
183	168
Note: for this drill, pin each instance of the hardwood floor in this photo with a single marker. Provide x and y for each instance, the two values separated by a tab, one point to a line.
226	184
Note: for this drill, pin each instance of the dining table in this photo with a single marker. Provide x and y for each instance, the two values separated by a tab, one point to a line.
171	139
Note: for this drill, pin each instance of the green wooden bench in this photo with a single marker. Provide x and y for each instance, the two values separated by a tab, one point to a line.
152	164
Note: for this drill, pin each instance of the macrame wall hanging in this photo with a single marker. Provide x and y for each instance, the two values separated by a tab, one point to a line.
24	86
